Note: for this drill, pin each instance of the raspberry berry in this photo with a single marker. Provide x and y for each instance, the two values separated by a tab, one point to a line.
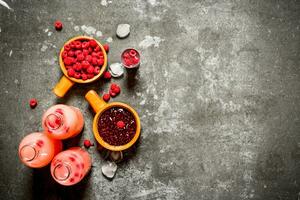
93	43
96	70
87	143
107	75
106	47
90	69
71	72
84	77
120	124
58	25
33	103
106	97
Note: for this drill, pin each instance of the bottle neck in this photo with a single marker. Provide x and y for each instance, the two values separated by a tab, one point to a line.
54	121
62	171
29	152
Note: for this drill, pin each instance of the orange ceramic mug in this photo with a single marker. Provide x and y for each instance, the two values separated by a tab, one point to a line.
99	106
66	82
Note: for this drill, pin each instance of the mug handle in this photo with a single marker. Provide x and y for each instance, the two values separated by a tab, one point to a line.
62	86
95	101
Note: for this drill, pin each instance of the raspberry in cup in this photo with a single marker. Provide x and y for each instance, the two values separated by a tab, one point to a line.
83	58
130	58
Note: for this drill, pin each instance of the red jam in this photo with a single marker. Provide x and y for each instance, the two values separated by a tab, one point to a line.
130	58
110	128
83	59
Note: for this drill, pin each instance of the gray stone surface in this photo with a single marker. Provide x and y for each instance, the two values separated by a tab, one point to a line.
218	93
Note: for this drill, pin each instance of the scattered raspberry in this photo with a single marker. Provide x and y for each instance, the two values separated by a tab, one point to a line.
87	143
107	75
58	25
115	88
120	124
106	97
112	94
33	103
106	47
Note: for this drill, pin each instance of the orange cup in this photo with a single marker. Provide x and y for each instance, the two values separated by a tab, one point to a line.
99	106
66	82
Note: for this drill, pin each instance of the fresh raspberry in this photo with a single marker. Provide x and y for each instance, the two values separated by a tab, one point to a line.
67	47
90	69
72	44
132	53
112	94
69	61
77	66
71	72
78	44
78	52
100	54
106	47
93	43
33	103
135	60
85	45
94	54
84	77
100	61
80	57
126	55
87	143
58	25
90	49
96	70
88	58
97	48
106	97
90	76
71	53
85	64
64	54
85	52
94	61
120	124
127	61
107	75
115	88
77	75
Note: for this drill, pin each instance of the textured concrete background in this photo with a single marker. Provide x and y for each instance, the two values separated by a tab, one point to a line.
218	93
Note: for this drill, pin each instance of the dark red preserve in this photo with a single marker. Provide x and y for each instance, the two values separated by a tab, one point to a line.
110	131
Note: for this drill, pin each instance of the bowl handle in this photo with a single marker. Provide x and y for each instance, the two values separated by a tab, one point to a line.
94	100
62	86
